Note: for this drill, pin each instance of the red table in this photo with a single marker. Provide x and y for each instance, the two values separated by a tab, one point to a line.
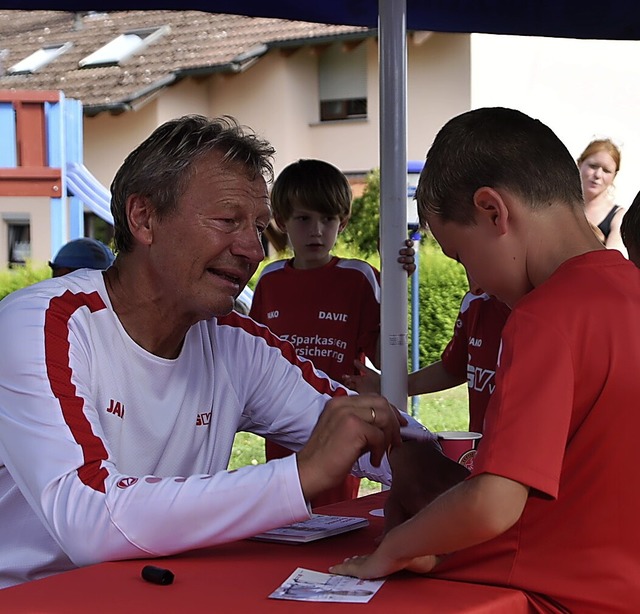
237	578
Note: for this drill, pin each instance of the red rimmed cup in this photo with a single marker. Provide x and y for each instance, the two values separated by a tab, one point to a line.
460	446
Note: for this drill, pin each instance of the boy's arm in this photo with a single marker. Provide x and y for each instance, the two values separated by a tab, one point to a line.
472	511
432	378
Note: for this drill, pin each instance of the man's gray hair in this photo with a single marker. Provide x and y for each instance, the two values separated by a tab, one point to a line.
161	166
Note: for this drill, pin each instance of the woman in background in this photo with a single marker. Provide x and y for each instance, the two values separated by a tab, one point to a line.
599	164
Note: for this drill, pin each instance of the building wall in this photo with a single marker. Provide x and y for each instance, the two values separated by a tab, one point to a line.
278	98
439	86
109	138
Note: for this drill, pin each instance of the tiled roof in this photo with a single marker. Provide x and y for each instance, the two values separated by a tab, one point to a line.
196	42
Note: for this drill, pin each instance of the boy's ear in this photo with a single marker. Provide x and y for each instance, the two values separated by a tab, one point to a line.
343	225
490	206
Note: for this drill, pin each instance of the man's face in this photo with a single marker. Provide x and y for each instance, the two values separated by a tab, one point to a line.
205	252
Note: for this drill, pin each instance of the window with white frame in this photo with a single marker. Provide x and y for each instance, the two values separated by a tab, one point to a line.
39	58
342	72
18	238
123	47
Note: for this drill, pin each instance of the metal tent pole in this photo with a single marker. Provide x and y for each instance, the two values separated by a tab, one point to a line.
393	197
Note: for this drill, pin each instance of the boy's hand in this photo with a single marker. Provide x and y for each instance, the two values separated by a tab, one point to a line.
367	382
406	257
377	565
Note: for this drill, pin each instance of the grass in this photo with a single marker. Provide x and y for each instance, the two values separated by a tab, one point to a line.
441	411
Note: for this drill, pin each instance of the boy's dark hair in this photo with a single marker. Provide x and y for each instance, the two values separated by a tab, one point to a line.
630	226
497	148
314	185
160	167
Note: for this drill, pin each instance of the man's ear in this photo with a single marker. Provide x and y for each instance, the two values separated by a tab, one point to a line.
490	206
139	216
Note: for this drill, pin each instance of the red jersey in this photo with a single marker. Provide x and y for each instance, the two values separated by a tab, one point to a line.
564	421
473	350
331	315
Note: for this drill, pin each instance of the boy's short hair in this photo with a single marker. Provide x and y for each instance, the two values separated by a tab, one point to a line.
630	226
311	184
497	148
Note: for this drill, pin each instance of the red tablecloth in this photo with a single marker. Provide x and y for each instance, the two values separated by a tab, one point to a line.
238	577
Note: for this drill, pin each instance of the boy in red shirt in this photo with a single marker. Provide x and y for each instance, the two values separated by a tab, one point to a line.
470	356
550	507
327	307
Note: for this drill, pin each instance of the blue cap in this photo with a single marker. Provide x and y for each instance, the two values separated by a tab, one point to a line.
83	253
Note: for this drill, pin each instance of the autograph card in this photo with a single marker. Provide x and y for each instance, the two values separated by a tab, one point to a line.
308	585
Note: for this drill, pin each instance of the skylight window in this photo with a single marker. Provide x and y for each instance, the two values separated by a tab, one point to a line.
39	58
122	47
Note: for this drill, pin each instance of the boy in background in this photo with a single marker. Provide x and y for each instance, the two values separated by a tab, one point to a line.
470	356
327	307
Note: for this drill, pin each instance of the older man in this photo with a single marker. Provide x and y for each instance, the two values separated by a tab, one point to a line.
121	391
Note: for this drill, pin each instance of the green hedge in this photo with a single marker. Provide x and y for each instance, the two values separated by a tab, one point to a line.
442	285
19	277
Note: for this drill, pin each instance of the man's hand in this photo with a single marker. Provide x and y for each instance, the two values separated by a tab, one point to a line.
421	472
348	427
366	383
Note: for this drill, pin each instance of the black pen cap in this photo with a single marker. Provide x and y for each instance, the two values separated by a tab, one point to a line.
157	575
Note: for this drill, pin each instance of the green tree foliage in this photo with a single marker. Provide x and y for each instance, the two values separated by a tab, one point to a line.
363	229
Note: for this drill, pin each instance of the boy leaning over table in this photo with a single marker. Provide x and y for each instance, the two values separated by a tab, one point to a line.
551	505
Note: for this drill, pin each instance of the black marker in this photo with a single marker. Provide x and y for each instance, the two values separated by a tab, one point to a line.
157	575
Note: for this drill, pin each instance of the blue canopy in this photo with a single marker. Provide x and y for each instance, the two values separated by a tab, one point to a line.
619	19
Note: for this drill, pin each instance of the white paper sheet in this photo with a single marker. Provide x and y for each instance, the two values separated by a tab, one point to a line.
308	585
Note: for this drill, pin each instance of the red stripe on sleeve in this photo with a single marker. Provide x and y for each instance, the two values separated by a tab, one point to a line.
322	384
56	344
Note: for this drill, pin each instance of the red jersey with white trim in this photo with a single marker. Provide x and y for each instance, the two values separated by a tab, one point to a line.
330	314
110	452
564	420
473	350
